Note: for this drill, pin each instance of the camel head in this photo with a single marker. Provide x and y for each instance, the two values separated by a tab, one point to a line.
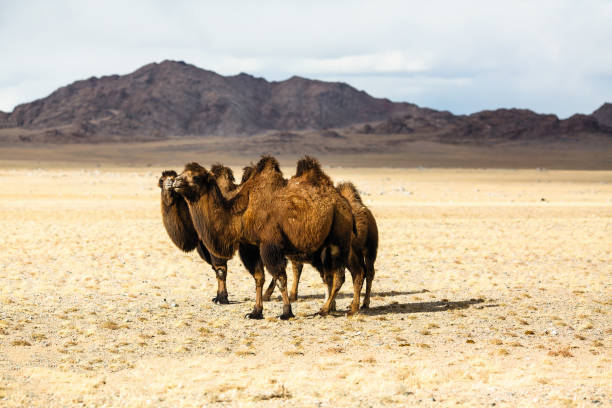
194	181
220	171
166	179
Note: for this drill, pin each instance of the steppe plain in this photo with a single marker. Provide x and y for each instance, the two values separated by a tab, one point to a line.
492	288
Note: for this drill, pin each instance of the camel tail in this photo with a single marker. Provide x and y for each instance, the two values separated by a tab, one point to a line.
372	240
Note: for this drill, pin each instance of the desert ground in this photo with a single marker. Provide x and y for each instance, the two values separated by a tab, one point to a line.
492	288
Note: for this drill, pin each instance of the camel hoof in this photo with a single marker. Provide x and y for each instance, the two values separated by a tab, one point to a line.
286	316
255	315
287	313
220	300
351	312
321	313
365	307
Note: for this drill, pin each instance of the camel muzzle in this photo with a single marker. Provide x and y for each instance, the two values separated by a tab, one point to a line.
168	183
177	183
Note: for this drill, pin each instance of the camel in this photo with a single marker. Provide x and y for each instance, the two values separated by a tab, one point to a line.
270	220
225	179
296	266
178	223
363	248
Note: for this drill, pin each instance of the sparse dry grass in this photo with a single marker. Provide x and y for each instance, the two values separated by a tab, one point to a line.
483	294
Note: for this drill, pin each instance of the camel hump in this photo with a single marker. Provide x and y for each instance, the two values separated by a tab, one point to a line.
349	191
219	170
309	169
307	164
194	167
267	162
247	172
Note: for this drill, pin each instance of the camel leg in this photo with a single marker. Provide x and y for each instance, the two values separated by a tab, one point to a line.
297	272
357	268
338	280
270	290
329	283
282	285
328	280
249	255
221	272
369	275
220	268
275	262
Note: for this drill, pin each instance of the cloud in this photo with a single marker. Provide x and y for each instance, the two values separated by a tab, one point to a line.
464	56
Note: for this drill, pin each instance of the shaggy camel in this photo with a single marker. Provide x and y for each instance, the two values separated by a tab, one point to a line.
364	246
270	219
296	266
178	223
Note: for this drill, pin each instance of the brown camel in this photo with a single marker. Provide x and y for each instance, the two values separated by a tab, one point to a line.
225	179
270	219
363	248
296	266
178	223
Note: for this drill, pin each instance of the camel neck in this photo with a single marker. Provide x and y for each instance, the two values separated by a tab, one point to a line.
215	222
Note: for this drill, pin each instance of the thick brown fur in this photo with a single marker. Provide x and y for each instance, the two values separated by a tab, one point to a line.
225	179
247	172
176	217
364	228
364	246
271	219
309	170
310	173
297	267
179	225
365	241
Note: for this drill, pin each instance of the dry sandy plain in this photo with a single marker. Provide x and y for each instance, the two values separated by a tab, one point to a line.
493	288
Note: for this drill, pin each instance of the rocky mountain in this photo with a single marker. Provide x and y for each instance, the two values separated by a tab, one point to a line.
603	115
494	126
175	99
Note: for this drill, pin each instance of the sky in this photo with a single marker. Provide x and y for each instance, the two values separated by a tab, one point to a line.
462	56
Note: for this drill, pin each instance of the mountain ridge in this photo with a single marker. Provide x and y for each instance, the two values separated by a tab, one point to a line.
176	99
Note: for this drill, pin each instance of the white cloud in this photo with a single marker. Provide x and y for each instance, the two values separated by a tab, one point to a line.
383	62
551	56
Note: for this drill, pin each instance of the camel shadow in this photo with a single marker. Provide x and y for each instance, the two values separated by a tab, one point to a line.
347	295
422	307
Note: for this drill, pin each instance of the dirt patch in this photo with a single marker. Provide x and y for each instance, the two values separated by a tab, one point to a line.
484	294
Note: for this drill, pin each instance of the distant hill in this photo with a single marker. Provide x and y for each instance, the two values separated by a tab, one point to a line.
174	99
603	115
